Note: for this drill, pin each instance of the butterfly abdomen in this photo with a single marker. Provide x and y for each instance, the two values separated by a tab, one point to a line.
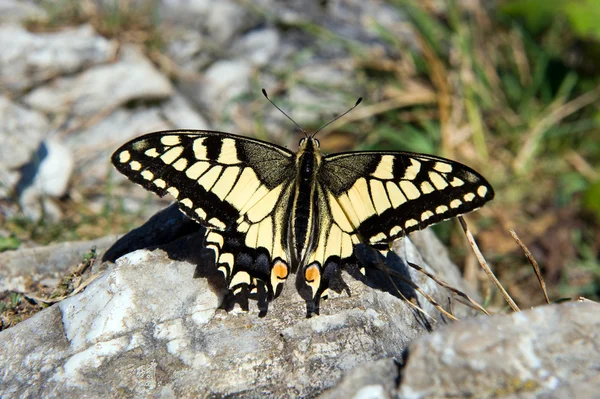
302	215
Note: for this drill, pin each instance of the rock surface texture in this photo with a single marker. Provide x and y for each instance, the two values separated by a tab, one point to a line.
551	351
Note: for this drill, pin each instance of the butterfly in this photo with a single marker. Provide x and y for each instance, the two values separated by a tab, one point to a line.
270	212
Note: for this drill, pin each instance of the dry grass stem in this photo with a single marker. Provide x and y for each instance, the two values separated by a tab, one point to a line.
582	166
536	268
420	291
484	265
468	300
407	99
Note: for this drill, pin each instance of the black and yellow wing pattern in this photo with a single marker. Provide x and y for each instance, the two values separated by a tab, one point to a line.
270	212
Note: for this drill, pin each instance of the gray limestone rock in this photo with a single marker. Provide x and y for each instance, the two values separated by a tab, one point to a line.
92	146
29	58
21	132
547	352
219	20
374	380
145	327
223	82
45	262
551	351
258	46
148	313
178	111
20	11
44	177
359	21
49	170
103	88
305	100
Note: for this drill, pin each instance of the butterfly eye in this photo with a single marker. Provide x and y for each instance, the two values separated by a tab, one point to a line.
318	143
302	140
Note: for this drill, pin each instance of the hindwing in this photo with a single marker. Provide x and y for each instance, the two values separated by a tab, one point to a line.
381	196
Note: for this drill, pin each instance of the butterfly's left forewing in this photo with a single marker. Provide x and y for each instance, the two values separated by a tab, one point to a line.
386	195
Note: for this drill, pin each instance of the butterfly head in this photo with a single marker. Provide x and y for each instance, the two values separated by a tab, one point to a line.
309	142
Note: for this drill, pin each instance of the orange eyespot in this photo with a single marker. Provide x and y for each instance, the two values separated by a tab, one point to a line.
312	274
280	270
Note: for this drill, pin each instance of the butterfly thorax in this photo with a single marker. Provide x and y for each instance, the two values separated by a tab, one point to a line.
303	227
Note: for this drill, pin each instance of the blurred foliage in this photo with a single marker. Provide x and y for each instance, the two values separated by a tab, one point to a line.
581	16
9	242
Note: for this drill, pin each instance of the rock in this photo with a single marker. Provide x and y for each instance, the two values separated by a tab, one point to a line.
436	255
31	58
145	327
164	227
93	146
180	114
49	170
46	262
103	88
551	351
225	19
306	101
357	20
20	11
375	380
187	49
21	132
223	82
46	175
220	20
258	46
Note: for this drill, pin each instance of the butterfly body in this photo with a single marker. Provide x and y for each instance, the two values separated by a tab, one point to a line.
270	212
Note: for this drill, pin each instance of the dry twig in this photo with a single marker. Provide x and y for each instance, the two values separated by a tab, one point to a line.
468	300
536	268
420	291
484	265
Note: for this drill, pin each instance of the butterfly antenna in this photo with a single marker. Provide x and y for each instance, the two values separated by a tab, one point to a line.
337	117
264	92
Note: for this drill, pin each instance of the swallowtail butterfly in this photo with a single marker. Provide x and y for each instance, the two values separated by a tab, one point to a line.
270	212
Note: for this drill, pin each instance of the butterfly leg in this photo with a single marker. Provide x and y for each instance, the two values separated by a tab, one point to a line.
315	281
262	298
